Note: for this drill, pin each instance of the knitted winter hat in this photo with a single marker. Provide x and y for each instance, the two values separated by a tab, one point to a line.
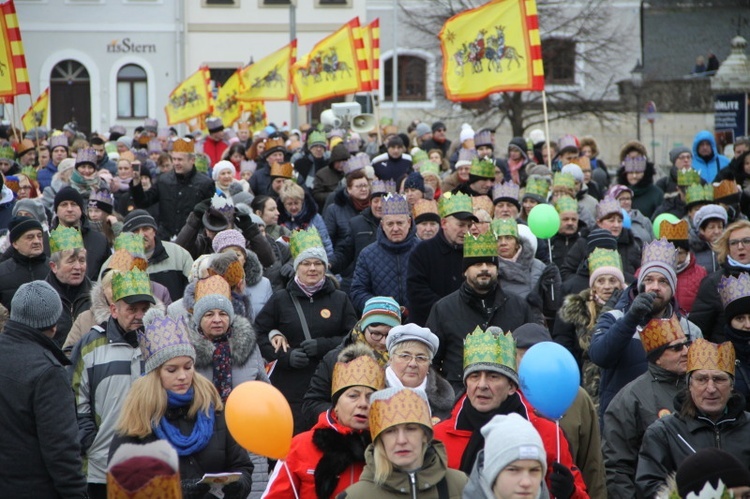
227	238
137	219
381	310
67	193
414	181
31	206
220	167
600	238
211	302
675	153
19	226
163	339
508	439
36	304
710	465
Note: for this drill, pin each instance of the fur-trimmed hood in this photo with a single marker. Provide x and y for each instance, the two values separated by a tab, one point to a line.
99	305
575	310
253	269
242	343
440	395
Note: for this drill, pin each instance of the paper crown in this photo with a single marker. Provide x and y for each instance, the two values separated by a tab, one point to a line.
156	465
659	332
7	153
634	165
506	190
11	181
482	203
425	207
352	145
65	238
154	146
123	261
450	203
466	155
734	288
316	138
102	196
355	163
688	176
24	146
725	188
243	125
566	203
481	246
58	141
162	336
183	145
30	172
284	170
273	145
536	186
703	354
582	161
484	168
486	347
212	285
418	155
674	232
130	242
131	283
361	371
483	138
382	187
601	257
150	124
86	155
505	227
224	205
659	250
395	204
201	162
566	180
697	193
405	406
427	167
606	207
234	273
301	240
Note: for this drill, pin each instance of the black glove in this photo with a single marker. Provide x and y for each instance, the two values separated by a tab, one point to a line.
562	483
642	305
234	490
201	208
550	275
287	271
310	347
298	359
191	489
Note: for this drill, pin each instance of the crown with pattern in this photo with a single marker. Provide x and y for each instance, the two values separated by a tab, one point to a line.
482	246
101	196
154	146
466	155
382	187
419	155
504	227
357	162
482	203
7	153
674	232
688	176
703	354
273	145
601	257
133	283
427	167
162	339
11	181
65	238
234	273
223	205
490	351
697	193
30	172
352	145
424	207
506	190
725	189
482	167
212	285
536	186
130	242
566	180
566	203
284	170
735	295
86	155
659	332
183	145
300	240
395	204
360	371
123	261
582	161
58	141
201	162
316	137
606	207
450	203
659	250
634	165
483	138
404	406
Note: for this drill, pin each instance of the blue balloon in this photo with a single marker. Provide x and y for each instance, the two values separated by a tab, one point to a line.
626	220
549	378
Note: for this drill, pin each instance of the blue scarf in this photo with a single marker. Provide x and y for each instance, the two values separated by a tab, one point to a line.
734	263
202	430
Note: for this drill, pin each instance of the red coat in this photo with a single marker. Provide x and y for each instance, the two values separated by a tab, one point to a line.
687	284
456	440
214	149
302	460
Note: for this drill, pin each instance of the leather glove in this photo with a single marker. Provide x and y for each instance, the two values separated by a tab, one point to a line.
642	305
201	208
191	489
310	347
233	490
562	483
287	271
550	275
298	359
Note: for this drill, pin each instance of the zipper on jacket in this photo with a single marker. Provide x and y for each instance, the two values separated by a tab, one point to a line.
413	483
717	437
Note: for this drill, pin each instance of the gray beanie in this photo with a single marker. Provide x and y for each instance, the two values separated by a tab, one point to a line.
32	206
315	252
675	153
36	304
210	302
508	439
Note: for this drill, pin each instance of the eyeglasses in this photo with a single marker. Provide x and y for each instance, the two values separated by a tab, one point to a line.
745	241
406	358
703	379
678	347
377	336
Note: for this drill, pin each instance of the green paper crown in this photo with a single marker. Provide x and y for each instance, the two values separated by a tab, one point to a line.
30	172
302	240
131	283
484	168
564	180
697	193
201	162
537	186
418	156
7	152
130	242
65	238
450	203
481	347
601	257
427	167
504	227
483	245
688	176
566	203
317	137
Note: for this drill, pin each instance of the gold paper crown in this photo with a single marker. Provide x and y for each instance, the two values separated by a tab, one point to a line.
688	176
284	170
213	285
703	354
733	288
65	238
505	227
566	180
725	189
582	161
123	261
536	186
601	257
699	193
660	250
300	240
361	371
405	406
233	275
674	232
271	144
484	168
423	207
481	246
454	203
482	203
427	167
183	145
659	332
485	347
130	283
565	204
131	242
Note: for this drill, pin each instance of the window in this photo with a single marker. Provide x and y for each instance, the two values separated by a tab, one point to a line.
277	2
559	56
335	3
221	3
412	78
132	92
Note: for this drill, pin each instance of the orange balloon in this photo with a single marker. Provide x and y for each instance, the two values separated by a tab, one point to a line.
260	419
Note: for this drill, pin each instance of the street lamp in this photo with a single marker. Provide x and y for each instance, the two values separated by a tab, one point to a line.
636	79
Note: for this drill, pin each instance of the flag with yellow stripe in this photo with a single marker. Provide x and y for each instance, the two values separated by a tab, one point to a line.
493	48
269	78
191	99
362	48
36	116
226	105
372	47
14	77
256	115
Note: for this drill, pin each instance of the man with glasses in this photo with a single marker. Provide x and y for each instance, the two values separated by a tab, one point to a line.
708	414
647	398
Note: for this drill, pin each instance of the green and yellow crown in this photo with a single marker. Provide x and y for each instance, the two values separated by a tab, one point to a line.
505	227
485	347
302	240
131	242
601	257
697	193
565	204
65	238
131	283
481	246
30	172
564	180
536	186
7	153
688	176
427	167
484	168
317	137
450	203
418	156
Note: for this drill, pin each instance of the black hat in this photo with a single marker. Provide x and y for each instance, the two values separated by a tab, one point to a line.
214	220
68	193
530	334
600	238
137	219
19	226
710	465
437	125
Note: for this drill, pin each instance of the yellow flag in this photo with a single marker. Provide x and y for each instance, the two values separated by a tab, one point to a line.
268	79
226	105
256	115
492	48
191	98
36	116
333	67
14	78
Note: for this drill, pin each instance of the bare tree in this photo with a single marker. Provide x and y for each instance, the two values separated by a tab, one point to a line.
599	54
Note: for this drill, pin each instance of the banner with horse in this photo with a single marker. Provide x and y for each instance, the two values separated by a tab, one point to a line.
36	116
226	105
269	78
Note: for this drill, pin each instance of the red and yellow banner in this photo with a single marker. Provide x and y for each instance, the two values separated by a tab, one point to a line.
493	48
36	116
371	37
269	78
226	105
334	67
191	98
14	78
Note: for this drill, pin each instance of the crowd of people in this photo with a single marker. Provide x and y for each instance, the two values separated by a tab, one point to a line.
389	286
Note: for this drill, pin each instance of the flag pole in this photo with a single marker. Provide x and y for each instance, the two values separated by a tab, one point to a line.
376	112
546	129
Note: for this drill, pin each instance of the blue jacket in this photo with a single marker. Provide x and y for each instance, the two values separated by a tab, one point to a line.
708	169
44	176
381	270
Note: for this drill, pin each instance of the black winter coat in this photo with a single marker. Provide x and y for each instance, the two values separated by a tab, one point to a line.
74	302
260	182
561	245
18	270
362	232
627	246
708	311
